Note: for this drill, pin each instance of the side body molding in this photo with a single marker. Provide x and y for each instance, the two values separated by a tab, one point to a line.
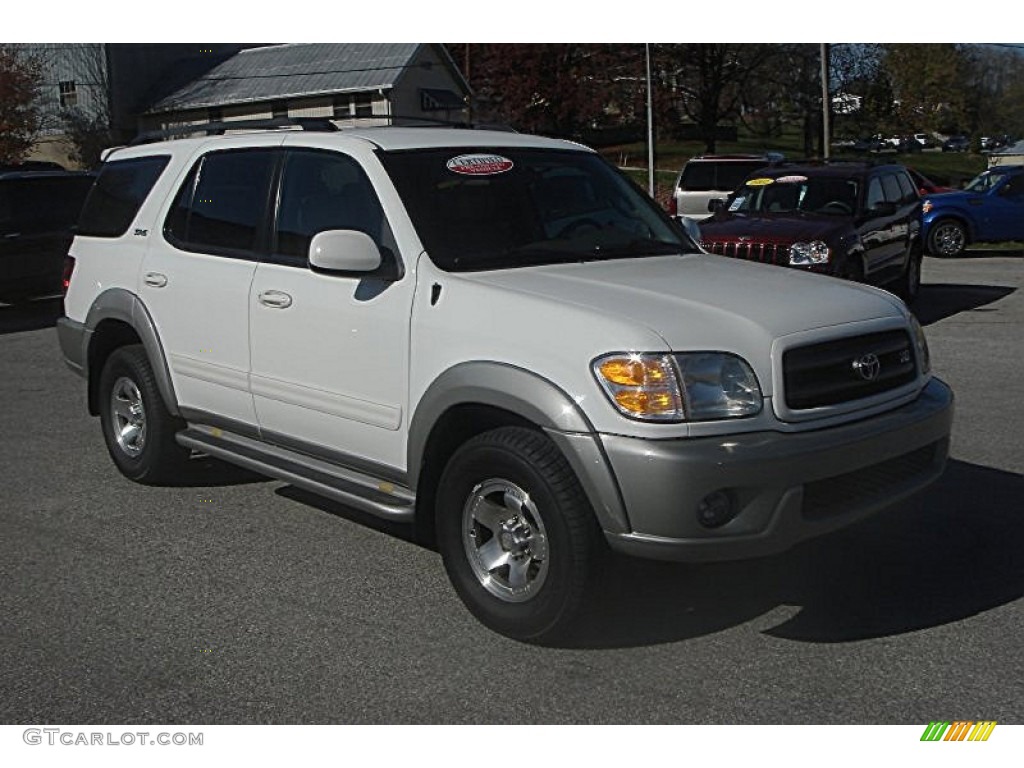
125	306
536	399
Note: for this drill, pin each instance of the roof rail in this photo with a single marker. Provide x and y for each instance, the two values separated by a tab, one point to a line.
219	127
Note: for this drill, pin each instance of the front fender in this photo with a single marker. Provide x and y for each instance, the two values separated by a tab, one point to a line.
531	397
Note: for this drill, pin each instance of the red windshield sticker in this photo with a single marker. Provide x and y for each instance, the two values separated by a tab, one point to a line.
479	165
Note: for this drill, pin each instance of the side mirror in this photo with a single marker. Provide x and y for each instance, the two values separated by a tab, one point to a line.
716	204
344	251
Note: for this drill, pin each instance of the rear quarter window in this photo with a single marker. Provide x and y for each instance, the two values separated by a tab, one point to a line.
118	194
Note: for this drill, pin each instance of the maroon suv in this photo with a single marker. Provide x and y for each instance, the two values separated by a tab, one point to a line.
852	220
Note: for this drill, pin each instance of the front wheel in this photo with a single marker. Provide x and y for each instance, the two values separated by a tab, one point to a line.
519	540
947	238
909	286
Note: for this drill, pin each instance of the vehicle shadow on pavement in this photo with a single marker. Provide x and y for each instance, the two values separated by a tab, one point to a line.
941	300
951	554
31	316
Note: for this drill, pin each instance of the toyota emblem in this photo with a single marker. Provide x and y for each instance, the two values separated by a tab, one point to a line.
868	366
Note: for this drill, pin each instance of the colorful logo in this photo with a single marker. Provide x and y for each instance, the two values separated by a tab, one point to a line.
479	165
959	730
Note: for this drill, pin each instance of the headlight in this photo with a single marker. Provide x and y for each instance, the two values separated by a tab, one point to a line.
805	254
924	358
693	386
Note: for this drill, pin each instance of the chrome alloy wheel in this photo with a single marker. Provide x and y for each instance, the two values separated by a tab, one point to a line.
505	541
948	239
128	416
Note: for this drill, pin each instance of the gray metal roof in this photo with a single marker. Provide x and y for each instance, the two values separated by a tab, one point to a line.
297	69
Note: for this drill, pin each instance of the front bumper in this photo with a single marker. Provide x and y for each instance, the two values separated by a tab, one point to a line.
787	487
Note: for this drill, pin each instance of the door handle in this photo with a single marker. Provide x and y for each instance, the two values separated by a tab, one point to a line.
155	279
12	235
275	299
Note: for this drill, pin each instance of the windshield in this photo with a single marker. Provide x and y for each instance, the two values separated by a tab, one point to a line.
480	209
830	195
984	181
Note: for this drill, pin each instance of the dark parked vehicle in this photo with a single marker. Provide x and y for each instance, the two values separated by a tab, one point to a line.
852	220
989	210
38	210
956	144
926	186
871	144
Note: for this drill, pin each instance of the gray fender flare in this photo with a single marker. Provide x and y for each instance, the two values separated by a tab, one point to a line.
125	306
536	399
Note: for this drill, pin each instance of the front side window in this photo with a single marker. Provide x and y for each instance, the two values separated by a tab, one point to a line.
222	203
322	191
983	182
118	194
478	209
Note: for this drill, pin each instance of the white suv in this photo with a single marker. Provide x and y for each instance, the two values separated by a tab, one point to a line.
493	336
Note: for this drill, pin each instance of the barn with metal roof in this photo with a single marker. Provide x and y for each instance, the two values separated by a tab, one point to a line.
351	83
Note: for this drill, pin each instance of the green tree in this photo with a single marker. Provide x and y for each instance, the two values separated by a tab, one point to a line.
20	79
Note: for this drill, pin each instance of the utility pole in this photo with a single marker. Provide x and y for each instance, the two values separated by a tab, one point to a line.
650	125
826	139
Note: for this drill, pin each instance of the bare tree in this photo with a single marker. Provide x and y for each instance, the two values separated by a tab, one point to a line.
20	79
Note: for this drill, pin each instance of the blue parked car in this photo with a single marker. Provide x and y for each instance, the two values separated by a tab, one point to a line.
989	210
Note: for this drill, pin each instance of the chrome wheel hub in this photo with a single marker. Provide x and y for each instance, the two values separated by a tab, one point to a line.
950	240
505	540
128	416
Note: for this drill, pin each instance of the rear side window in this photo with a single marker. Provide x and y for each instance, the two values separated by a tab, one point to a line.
222	205
118	194
722	176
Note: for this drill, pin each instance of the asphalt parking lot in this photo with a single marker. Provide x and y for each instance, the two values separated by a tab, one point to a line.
240	600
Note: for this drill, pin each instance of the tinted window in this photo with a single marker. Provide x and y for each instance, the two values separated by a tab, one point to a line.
222	203
875	194
321	191
907	187
827	195
709	175
47	204
118	194
1014	188
891	187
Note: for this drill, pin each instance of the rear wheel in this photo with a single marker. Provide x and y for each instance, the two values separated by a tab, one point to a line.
519	540
137	427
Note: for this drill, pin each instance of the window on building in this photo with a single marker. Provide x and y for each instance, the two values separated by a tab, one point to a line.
364	105
279	109
215	114
68	94
342	107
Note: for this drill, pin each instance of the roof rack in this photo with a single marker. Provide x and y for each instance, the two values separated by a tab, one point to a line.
317	124
218	128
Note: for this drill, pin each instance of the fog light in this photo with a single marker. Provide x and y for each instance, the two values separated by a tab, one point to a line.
716	509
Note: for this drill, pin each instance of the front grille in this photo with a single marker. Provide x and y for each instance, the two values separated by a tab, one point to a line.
766	253
856	490
841	370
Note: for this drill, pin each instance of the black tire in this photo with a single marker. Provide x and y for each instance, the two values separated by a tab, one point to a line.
550	542
947	238
139	431
908	287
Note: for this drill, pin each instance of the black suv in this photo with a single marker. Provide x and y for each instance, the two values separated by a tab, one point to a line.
38	210
854	220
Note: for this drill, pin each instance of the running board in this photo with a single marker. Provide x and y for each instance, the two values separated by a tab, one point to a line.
355	489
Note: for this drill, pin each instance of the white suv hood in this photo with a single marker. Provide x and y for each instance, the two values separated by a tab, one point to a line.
703	301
